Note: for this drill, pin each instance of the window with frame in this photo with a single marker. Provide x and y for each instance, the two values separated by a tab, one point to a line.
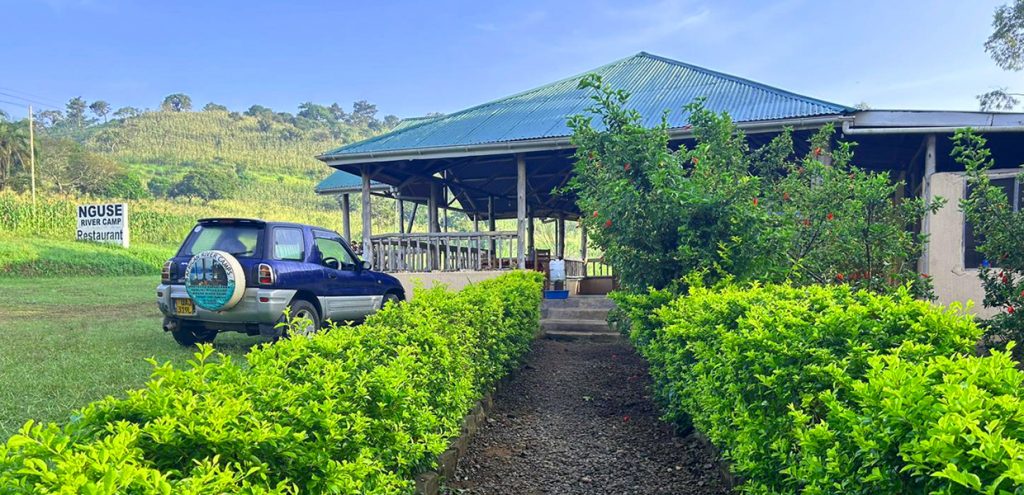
331	248
1012	188
288	244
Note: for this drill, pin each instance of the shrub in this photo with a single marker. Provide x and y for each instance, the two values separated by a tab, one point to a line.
1000	230
354	410
731	212
743	364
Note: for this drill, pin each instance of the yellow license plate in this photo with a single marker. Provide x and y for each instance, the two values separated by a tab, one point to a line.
184	307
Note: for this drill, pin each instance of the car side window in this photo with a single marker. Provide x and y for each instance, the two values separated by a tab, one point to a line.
334	255
288	244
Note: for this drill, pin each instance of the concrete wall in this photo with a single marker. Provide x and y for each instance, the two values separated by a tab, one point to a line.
453	280
945	258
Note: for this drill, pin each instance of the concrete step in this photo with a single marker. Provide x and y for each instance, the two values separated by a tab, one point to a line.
574	325
589	336
596	302
575	313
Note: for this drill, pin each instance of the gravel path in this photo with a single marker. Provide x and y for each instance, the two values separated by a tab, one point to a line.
578	418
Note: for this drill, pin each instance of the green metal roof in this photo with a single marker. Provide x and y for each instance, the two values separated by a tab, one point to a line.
343	182
655	84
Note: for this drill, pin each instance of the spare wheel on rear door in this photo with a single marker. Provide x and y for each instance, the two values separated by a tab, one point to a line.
214	280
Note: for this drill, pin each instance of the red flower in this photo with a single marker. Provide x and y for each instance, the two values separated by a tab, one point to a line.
785	196
830	216
595	213
694	160
608	223
817	151
854	276
1010	310
755	201
1022	293
625	418
800	170
626	167
1004	278
839	276
924	275
807	222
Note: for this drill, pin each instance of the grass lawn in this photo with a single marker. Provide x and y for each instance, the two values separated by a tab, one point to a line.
65	342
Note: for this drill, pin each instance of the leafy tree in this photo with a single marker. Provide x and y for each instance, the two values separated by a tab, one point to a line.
14	149
257	110
316	113
363	114
1006	46
728	212
160	186
127	113
205	183
177	102
391	121
100	108
1000	230
70	168
125	185
50	118
76	112
214	107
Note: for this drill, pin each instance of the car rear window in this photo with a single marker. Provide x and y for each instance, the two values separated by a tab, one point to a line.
242	241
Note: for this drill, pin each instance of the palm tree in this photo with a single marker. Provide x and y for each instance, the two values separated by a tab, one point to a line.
14	149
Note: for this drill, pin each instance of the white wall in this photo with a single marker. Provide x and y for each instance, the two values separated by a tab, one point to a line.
945	258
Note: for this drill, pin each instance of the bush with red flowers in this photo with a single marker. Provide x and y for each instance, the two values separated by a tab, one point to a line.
1001	234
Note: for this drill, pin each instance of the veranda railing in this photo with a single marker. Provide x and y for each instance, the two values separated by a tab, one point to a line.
451	251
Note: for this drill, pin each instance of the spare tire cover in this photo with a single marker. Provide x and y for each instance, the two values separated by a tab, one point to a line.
214	280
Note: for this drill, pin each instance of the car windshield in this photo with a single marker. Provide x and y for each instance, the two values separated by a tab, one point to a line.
240	240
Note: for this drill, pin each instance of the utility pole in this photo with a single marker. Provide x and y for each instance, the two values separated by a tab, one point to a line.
32	159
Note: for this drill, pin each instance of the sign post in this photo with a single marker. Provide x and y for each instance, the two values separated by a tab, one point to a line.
103	223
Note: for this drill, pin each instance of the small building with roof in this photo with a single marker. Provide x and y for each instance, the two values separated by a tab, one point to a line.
507	159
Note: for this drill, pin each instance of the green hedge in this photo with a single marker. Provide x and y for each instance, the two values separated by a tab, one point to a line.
352	410
827	390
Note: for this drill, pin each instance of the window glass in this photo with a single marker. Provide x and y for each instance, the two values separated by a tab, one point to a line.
288	244
240	241
332	248
973	258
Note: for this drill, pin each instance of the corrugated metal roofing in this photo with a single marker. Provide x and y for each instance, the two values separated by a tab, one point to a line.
342	182
655	84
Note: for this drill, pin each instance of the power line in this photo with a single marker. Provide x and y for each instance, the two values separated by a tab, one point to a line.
28	100
42	99
23	105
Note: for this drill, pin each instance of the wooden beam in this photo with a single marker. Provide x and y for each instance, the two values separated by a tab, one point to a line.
583	240
926	189
367	218
521	209
432	221
560	236
346	218
400	211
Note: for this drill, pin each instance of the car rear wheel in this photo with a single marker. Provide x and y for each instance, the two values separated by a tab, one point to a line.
304	310
190	335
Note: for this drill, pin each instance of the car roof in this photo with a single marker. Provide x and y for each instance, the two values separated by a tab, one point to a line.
259	222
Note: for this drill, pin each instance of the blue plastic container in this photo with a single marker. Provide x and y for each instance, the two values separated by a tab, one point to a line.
556	294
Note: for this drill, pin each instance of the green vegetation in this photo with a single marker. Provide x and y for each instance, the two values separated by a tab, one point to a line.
353	410
35	257
68	342
731	212
1000	228
822	389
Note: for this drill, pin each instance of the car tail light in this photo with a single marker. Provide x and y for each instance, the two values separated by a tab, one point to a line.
265	274
165	273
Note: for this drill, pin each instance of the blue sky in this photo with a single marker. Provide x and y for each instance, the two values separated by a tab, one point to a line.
410	58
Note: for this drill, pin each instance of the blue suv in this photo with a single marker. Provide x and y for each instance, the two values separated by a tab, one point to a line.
234	274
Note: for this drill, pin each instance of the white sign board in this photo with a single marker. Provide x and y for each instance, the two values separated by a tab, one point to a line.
103	223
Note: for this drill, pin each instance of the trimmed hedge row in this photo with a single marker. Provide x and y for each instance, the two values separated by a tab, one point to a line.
352	410
825	390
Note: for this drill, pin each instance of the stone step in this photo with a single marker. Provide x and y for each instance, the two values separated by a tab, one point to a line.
574	325
596	302
575	314
589	336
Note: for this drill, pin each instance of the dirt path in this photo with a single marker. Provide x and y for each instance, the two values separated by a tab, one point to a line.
579	419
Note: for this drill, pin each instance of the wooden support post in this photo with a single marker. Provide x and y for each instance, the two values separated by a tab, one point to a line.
444	194
476	222
926	194
521	210
530	244
492	224
346	218
367	218
432	222
583	241
412	218
400	212
560	235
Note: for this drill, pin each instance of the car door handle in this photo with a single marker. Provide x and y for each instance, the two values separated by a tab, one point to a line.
331	275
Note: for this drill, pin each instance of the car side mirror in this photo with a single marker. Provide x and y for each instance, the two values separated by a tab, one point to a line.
365	265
